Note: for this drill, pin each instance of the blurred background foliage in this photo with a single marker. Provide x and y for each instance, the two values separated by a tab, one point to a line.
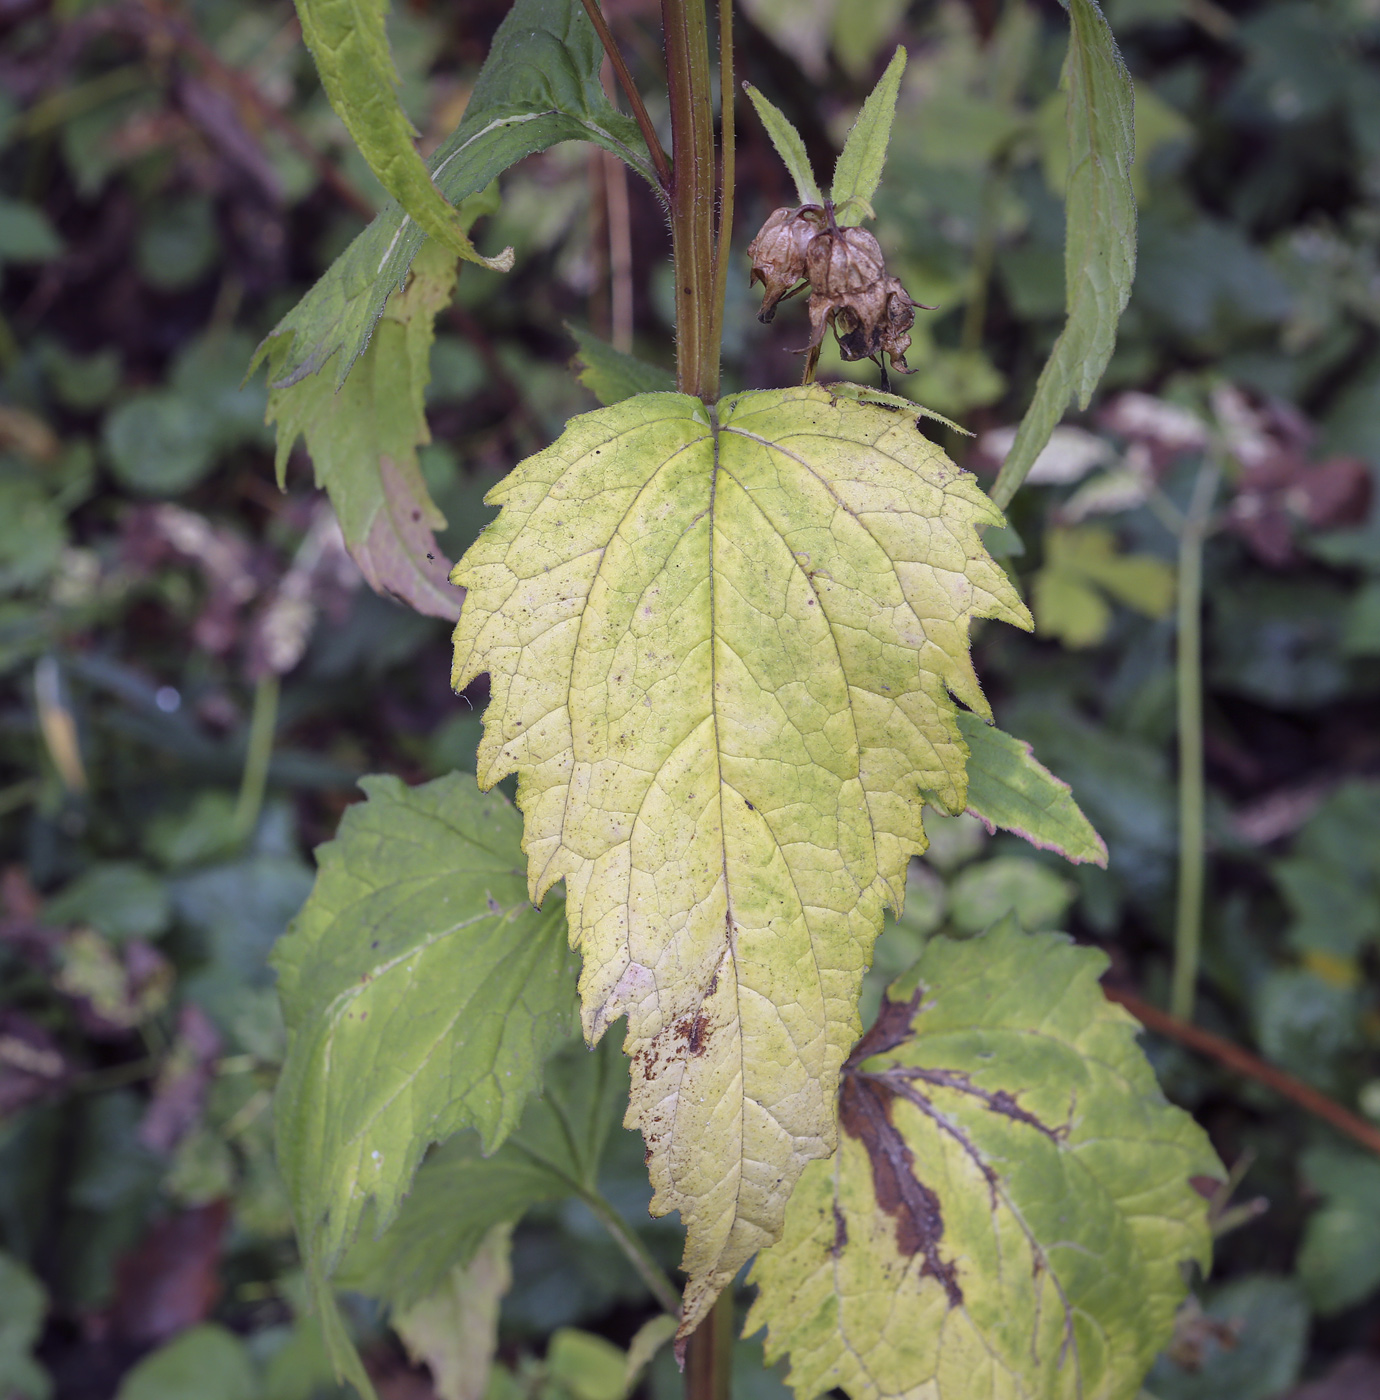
192	678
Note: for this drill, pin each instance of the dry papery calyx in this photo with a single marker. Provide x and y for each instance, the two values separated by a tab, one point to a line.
869	312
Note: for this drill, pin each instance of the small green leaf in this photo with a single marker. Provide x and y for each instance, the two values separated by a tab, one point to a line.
207	1361
584	1366
421	992
1339	1261
539	86
1084	562
986	892
1100	238
348	40
26	235
23	1304
859	169
788	145
613	375
1011	1201
1009	788
118	898
159	444
363	440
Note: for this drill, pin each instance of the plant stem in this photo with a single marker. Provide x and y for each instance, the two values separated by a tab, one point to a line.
637	1254
1188	926
263	724
728	92
625	81
686	27
709	1353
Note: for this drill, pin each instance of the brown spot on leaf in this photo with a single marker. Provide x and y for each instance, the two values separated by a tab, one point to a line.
840	1232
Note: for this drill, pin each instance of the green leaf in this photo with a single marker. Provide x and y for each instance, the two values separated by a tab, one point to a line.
1339	1260
1033	894
23	1304
586	1367
116	897
454	1330
159	444
858	171
1009	788
363	440
421	993
348	40
789	146
1100	237
207	1361
1010	1204
612	375
722	644
539	86
26	235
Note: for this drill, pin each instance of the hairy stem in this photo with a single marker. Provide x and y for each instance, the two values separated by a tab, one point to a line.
262	725
686	27
709	1353
625	81
727	165
1188	925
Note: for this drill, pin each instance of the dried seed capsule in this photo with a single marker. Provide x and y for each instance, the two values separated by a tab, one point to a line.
843	262
778	253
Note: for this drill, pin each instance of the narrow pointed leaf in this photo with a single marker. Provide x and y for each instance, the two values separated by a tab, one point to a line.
1099	239
363	442
539	86
721	645
1009	788
348	40
421	992
858	171
1011	1202
788	145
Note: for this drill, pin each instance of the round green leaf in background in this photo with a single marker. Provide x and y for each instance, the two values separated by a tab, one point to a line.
159	445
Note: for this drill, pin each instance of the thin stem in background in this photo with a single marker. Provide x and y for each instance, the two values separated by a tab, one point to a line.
728	93
625	81
619	219
709	1353
685	25
637	1254
263	724
1252	1066
1188	923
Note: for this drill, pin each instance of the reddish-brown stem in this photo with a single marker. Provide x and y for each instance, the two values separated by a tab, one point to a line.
727	159
1243	1062
709	1353
625	81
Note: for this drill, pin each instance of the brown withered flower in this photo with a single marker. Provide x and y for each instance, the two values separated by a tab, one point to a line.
869	312
778	253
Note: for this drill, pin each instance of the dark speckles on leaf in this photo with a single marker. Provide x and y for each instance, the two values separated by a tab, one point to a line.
750	807
494	906
840	1231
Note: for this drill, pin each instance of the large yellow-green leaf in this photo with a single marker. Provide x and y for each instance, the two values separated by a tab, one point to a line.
721	645
1100	237
1012	1198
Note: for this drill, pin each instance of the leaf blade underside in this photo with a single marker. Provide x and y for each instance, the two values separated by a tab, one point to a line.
721	646
1011	1200
422	993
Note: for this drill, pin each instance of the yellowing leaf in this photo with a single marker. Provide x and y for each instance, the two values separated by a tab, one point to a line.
363	440
1011	1201
721	645
1081	564
348	41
